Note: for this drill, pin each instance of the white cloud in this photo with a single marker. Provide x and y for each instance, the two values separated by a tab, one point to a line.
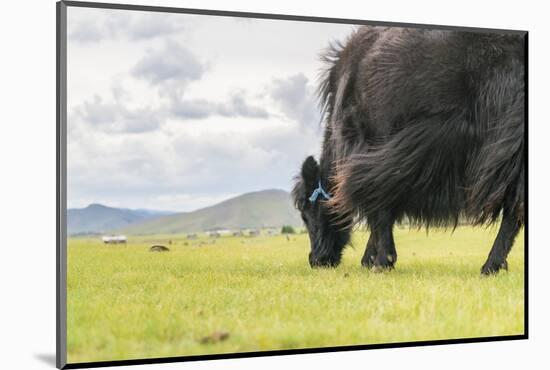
95	25
117	118
177	112
236	106
173	63
296	98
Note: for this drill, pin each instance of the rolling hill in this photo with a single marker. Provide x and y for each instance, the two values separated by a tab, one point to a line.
97	218
267	208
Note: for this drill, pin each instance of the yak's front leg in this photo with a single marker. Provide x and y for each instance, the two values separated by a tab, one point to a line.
507	233
382	228
370	252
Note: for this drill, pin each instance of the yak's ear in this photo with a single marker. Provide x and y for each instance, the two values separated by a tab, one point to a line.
310	172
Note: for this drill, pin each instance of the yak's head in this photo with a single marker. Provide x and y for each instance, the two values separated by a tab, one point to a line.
327	237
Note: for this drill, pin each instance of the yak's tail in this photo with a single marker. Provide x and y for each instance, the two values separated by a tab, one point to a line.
405	170
498	174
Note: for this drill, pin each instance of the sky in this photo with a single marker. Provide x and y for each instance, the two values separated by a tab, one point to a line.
177	112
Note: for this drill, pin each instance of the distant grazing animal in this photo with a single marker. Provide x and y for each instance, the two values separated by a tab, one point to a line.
426	125
159	248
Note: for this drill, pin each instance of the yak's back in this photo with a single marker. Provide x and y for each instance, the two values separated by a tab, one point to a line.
389	76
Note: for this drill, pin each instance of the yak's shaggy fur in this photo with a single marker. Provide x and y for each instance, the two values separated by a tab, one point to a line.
422	124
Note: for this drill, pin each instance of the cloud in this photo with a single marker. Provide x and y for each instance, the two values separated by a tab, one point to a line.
115	25
194	109
147	27
86	31
208	158
108	26
151	165
117	118
159	152
173	63
185	115
296	99
237	106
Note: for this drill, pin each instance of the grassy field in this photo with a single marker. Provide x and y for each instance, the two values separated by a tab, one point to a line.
125	302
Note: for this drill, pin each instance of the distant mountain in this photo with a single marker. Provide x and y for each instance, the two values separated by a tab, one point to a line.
267	208
97	218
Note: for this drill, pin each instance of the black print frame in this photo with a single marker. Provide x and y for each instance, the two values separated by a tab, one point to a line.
363	179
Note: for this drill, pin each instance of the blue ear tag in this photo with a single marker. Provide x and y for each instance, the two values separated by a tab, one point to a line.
319	192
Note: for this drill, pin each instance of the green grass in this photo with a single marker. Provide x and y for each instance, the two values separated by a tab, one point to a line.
125	302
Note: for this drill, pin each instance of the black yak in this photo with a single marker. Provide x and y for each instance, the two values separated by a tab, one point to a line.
159	248
426	125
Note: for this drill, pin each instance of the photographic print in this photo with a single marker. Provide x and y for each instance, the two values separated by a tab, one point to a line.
239	185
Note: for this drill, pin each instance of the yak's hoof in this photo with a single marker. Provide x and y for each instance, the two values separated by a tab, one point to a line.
368	261
492	268
323	263
379	268
385	263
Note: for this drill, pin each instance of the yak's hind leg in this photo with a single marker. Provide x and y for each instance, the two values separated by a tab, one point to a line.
382	228
370	252
507	233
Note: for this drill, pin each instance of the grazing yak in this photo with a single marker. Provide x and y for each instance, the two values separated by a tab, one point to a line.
426	125
159	248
